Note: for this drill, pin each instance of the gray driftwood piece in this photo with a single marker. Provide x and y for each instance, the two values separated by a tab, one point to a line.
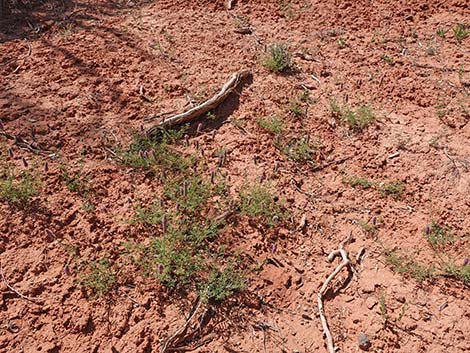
203	108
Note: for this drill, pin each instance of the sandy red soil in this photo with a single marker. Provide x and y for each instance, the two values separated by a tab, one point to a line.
71	74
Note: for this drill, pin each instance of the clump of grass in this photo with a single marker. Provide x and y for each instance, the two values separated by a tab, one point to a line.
460	32
258	201
272	125
393	189
357	119
359	182
342	42
101	278
437	235
17	188
441	32
278	58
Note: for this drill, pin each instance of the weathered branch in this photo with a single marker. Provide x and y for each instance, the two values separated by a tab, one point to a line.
203	108
344	263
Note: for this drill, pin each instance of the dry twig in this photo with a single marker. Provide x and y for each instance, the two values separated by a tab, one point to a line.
344	263
13	288
203	108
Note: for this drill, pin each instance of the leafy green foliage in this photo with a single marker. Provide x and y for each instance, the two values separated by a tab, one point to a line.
441	32
369	228
188	192
459	272
174	264
295	108
359	182
405	265
147	152
149	216
76	182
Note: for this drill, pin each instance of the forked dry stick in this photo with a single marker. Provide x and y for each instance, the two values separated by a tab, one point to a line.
344	263
203	108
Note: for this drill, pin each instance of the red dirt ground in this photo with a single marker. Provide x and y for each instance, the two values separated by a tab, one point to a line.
70	76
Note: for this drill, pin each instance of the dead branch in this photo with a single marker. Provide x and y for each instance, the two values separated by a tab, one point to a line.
178	335
344	263
203	108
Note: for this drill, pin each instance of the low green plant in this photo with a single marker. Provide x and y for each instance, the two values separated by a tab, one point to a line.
88	206
436	235
278	58
388	59
367	227
17	188
405	265
342	42
460	32
359	182
299	149
148	216
393	189
272	125
258	201
220	285
101	278
76	181
188	192
441	32
357	119
174	263
459	272
147	152
295	108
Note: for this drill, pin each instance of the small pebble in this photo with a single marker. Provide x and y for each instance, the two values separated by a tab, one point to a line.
363	341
